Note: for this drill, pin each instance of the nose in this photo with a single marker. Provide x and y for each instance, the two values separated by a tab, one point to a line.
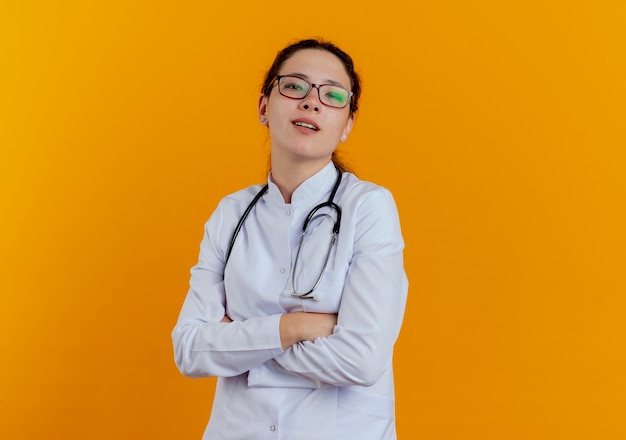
312	100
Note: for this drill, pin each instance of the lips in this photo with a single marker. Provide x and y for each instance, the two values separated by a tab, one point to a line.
306	123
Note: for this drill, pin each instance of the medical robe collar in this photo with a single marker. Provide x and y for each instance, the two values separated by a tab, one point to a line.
318	186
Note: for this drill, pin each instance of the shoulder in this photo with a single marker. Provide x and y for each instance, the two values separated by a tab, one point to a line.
226	215
371	217
238	201
357	191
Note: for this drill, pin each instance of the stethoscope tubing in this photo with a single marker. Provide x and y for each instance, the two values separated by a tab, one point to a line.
329	203
242	220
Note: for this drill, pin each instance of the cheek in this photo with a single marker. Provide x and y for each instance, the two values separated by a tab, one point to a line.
276	114
341	129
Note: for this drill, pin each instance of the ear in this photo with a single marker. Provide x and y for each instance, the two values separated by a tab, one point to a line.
347	129
262	109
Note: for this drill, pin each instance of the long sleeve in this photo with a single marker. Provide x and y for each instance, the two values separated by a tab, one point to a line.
370	312
204	346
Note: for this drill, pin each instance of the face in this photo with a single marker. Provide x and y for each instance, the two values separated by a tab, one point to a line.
306	129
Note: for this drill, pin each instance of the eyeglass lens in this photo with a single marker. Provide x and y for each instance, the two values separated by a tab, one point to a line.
299	88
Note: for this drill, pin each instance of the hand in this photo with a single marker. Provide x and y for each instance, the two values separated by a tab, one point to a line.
305	326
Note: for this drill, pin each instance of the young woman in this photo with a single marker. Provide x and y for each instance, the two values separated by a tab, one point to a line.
299	292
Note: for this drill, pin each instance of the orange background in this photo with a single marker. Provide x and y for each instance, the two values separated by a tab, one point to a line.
499	126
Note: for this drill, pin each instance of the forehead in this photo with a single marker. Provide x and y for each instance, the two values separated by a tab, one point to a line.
318	65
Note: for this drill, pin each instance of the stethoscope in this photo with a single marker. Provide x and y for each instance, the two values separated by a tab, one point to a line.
330	204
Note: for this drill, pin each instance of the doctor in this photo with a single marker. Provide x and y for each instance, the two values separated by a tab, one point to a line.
299	292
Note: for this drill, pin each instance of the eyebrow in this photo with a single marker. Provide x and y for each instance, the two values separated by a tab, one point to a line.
326	81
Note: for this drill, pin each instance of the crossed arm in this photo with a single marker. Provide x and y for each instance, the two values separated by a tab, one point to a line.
302	326
351	347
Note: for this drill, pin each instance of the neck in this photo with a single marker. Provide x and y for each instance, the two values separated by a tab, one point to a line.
288	177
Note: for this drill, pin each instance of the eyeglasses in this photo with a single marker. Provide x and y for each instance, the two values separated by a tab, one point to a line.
295	87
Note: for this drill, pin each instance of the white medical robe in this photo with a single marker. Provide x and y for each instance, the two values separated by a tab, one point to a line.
338	387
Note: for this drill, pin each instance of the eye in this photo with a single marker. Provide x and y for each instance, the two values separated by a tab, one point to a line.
293	86
335	96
